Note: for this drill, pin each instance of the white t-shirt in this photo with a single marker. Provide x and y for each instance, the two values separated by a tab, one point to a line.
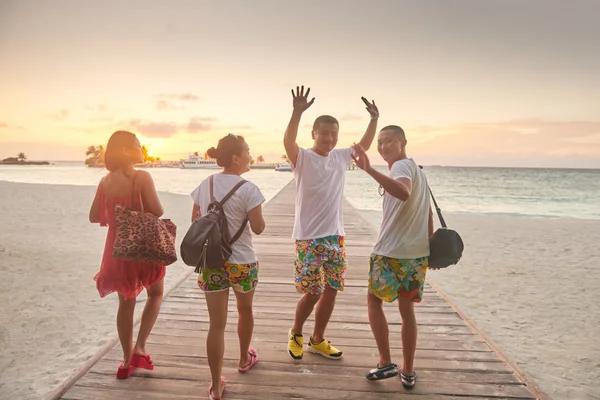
320	193
246	198
404	228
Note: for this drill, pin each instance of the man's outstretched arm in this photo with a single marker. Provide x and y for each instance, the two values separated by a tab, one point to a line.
369	135
301	104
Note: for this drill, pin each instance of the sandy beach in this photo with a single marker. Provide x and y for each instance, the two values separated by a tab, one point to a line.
52	317
529	284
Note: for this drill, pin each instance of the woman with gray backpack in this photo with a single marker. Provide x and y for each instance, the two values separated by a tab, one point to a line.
219	244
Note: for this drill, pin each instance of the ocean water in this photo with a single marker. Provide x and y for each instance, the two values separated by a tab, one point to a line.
547	193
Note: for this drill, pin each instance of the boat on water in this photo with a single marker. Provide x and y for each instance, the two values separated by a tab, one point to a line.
283	167
194	161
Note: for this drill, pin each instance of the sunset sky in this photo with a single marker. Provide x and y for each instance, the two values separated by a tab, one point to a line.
495	83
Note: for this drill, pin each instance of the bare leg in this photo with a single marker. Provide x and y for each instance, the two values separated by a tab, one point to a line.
125	327
149	316
409	334
216	303
245	325
379	327
303	309
323	313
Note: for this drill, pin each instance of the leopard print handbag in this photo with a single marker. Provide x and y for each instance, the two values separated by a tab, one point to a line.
143	237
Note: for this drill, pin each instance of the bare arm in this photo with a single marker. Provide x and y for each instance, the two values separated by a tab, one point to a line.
95	208
369	135
257	222
149	196
301	104
399	188
289	140
196	213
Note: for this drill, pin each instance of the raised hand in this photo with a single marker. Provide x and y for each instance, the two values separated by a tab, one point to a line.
360	157
371	108
301	102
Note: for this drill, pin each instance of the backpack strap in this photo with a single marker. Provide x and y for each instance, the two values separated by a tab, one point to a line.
231	192
239	232
212	197
224	199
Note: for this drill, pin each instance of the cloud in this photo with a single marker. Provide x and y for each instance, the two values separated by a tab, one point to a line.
155	129
61	115
512	138
179	97
165	105
199	124
3	125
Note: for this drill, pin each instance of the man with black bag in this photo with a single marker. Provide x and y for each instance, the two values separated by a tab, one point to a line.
400	257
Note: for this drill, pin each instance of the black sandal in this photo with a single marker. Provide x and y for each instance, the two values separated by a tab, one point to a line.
387	371
408	381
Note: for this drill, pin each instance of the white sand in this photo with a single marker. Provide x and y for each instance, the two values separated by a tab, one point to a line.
533	287
52	317
530	284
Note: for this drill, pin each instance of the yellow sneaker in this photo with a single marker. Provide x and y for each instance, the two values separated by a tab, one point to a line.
295	345
325	349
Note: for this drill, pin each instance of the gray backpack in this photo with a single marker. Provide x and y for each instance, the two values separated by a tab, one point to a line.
207	244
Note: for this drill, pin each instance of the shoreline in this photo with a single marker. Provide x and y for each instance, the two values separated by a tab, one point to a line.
361	210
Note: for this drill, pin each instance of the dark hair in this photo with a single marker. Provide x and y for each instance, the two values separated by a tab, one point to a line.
229	146
114	158
396	129
325	119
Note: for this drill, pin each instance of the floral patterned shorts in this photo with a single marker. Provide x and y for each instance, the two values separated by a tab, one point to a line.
390	277
320	262
240	277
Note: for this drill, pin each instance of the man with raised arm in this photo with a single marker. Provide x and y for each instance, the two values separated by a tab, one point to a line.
320	266
400	257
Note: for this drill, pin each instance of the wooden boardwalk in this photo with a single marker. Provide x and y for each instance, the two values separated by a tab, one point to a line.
452	360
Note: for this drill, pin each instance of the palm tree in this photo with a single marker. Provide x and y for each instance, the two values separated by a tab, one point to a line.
147	157
285	158
251	161
260	159
96	155
21	157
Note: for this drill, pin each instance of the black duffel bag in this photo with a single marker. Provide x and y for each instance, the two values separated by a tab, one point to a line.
445	245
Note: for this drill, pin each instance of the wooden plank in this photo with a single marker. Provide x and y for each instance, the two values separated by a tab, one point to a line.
452	360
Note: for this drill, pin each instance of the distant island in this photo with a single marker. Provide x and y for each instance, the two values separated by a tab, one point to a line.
21	159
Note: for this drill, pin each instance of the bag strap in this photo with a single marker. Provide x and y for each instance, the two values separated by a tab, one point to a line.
437	209
224	199
137	190
228	195
239	232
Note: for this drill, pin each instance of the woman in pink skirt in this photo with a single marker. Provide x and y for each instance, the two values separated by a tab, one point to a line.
125	186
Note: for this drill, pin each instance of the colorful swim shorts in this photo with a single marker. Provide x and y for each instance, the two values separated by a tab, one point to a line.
393	277
320	262
240	277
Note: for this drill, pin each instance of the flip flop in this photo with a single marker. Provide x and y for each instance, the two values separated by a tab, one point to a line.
253	361
124	373
144	362
223	384
387	371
